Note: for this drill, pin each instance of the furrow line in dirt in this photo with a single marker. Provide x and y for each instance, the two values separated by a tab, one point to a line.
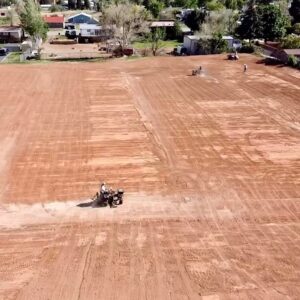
86	266
110	267
162	285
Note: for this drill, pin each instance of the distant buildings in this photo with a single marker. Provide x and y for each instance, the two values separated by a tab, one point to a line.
11	34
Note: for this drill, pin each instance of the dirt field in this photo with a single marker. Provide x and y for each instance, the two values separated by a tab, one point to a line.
210	165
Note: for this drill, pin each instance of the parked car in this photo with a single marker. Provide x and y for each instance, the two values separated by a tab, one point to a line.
3	51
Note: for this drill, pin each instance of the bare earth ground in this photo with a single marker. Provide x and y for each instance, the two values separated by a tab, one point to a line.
210	165
54	51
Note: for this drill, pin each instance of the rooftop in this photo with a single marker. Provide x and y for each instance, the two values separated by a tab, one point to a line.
162	24
193	37
9	28
82	13
54	19
295	52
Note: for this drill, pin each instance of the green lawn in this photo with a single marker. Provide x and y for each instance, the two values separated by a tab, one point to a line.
165	44
4	21
12	58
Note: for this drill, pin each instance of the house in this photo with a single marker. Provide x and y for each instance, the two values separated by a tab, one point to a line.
54	21
89	33
82	18
11	34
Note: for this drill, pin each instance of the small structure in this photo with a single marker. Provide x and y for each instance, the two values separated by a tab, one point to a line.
55	21
82	18
232	43
89	33
190	43
11	34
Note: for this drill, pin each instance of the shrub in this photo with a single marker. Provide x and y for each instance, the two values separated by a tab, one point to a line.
55	8
214	45
214	5
246	48
292	61
291	41
296	28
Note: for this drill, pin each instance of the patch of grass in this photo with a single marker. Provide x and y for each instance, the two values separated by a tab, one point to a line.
94	59
4	21
13	58
165	44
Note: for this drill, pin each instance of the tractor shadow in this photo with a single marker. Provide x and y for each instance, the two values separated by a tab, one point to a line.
91	204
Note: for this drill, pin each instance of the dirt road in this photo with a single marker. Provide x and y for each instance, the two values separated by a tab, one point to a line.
210	165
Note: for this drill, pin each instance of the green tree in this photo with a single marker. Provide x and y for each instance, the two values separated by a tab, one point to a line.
214	5
71	4
231	4
296	28
291	41
31	20
294	11
272	21
126	20
218	45
214	45
222	21
250	26
156	37
87	4
155	7
195	18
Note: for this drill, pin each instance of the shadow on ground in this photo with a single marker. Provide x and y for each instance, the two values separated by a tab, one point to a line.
91	204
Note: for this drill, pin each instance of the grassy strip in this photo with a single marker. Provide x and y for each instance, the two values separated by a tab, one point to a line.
165	44
13	58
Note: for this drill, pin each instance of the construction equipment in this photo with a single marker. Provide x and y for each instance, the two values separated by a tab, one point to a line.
197	71
233	56
109	197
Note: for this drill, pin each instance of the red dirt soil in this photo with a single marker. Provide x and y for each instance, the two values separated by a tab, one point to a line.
210	165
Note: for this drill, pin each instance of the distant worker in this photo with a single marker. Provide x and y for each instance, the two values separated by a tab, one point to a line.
245	68
102	187
200	70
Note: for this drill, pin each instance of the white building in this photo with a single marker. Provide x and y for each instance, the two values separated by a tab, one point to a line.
232	42
93	33
190	42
